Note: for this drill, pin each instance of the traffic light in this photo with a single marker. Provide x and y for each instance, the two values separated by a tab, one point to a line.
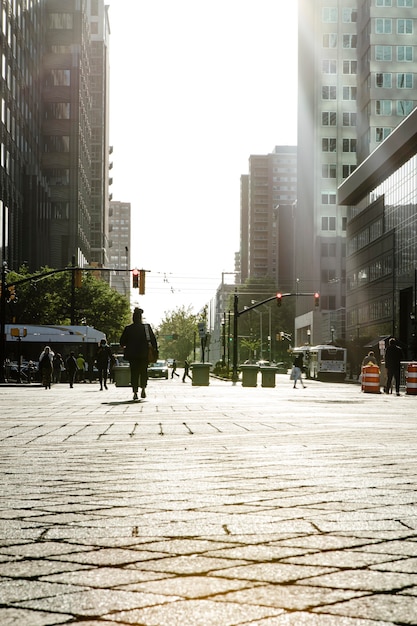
11	295
141	282
316	299
135	278
279	299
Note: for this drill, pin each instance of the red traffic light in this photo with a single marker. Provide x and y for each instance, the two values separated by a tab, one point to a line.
316	299
279	299
135	278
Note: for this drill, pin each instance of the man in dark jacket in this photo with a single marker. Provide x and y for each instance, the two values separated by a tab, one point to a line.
393	357
135	340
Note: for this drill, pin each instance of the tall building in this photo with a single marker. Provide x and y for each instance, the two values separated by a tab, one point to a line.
356	63
268	193
119	246
54	132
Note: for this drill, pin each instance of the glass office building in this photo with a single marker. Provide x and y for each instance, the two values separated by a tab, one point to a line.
381	261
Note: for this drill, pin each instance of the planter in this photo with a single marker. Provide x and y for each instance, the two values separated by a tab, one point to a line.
201	374
268	376
121	376
249	375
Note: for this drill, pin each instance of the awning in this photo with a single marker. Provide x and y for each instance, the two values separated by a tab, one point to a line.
375	342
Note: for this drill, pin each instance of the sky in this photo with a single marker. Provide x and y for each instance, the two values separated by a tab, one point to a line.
195	89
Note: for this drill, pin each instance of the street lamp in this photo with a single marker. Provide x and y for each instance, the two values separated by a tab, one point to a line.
332	330
308	336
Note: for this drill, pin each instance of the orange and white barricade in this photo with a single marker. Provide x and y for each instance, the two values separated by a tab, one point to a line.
411	380
371	379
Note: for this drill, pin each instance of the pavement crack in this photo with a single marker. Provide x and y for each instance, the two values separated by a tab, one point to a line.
188	428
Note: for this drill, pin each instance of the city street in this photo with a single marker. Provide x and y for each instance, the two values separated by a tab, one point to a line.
208	506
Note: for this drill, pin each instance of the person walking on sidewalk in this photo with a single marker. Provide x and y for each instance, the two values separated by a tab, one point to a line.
186	370
57	365
45	366
174	369
298	368
393	357
103	360
134	340
71	367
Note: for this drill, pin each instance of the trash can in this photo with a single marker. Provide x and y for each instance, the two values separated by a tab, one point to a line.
121	376
268	376
249	375
201	374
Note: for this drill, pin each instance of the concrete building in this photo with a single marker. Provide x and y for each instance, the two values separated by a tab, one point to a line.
54	132
119	246
381	196
268	193
356	79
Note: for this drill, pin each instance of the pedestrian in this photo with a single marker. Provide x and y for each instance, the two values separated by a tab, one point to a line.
174	369
393	357
369	359
135	340
103	360
80	368
186	370
71	367
297	371
45	366
57	365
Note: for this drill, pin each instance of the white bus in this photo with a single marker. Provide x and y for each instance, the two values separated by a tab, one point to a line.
323	362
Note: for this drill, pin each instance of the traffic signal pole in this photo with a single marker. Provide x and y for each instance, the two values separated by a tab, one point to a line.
236	314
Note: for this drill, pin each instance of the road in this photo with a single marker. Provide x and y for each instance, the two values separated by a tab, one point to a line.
208	506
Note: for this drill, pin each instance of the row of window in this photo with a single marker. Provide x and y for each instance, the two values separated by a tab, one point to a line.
375	271
403	53
329	66
370	312
405	80
385	107
329	144
329	170
365	236
383	26
329	118
329	92
329	223
348	15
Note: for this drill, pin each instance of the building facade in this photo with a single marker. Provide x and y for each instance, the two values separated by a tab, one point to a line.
356	79
54	132
268	193
381	196
119	246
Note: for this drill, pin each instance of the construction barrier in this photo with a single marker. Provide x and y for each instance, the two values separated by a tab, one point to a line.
371	379
411	379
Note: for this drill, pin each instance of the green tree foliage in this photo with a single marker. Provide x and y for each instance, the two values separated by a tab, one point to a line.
282	319
176	334
48	301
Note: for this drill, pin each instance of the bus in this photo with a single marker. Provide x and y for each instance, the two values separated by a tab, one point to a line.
323	362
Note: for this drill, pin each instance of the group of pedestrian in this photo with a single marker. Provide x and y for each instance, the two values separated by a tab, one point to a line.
392	359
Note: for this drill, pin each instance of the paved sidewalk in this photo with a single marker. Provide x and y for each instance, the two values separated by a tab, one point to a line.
208	506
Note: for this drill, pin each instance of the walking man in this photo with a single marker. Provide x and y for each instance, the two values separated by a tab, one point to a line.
135	343
393	357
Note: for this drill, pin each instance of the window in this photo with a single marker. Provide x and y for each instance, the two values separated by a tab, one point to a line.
328	92
328	144
328	223
330	40
349	119
404	53
349	145
405	81
328	170
349	41
349	93
404	107
328	198
383	107
329	14
383	53
329	66
405	27
383	3
383	80
347	170
350	67
404	3
328	249
328	118
381	134
383	26
349	15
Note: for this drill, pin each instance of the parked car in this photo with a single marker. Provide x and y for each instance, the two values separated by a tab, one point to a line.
158	369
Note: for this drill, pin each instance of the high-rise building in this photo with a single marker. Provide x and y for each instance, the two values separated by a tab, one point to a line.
268	193
54	132
119	246
356	67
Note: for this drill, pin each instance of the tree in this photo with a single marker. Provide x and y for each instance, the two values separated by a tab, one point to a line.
176	334
48	301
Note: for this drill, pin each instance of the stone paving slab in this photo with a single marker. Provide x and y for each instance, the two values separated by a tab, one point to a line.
216	505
